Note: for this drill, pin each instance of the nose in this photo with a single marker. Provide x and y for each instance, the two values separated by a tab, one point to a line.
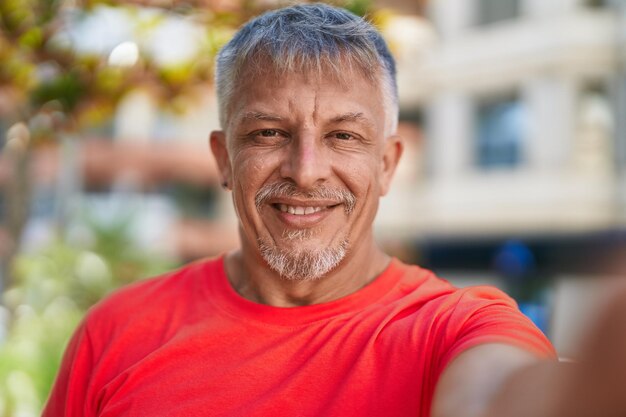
306	162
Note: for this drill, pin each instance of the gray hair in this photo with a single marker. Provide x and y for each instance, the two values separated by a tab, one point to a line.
307	38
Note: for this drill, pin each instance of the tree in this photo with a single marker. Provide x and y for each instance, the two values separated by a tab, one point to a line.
52	90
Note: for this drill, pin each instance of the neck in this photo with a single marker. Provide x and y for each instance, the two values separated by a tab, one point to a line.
252	278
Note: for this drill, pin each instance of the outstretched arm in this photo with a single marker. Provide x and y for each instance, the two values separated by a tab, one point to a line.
496	380
481	380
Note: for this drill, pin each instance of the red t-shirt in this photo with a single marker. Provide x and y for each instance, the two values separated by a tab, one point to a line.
186	344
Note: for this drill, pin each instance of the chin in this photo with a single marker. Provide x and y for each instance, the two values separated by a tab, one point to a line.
303	264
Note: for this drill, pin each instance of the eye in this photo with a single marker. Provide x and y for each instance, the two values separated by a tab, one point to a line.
343	135
267	137
267	133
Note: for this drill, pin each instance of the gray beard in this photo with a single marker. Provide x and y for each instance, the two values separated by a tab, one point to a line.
302	264
297	263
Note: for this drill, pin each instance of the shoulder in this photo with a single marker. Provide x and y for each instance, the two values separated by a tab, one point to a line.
421	285
459	318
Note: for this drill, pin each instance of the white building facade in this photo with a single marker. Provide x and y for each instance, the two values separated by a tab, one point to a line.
524	110
523	165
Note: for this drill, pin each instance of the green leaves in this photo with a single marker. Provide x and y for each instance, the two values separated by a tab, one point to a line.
67	88
54	287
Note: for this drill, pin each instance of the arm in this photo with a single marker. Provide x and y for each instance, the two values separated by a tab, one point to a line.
496	380
490	380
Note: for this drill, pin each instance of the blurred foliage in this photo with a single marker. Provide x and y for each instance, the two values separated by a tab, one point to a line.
54	287
50	89
42	68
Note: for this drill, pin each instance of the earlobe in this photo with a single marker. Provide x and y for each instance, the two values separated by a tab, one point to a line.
220	152
394	146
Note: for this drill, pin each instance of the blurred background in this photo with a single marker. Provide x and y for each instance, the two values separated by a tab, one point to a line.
514	174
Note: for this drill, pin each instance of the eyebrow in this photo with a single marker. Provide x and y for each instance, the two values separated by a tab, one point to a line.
257	115
352	117
358	117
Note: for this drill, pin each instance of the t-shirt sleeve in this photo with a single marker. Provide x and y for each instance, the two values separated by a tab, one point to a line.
70	390
484	315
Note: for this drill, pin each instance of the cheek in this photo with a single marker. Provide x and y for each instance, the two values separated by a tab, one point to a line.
251	173
248	169
360	174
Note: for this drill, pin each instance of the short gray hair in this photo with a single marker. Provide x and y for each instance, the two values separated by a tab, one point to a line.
307	38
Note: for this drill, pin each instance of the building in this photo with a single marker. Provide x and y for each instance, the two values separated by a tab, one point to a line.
523	170
520	101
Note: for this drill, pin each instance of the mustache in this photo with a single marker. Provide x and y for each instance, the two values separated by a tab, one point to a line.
287	189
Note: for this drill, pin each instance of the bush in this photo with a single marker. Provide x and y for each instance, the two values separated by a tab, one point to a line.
53	289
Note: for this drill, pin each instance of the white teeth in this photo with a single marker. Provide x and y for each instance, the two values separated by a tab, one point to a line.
298	210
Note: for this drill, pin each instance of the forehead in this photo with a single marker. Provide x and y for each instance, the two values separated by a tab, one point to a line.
310	94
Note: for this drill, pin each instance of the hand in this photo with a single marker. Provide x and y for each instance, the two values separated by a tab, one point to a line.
596	386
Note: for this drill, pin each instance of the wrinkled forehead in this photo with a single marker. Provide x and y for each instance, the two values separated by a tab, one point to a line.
281	92
333	65
342	70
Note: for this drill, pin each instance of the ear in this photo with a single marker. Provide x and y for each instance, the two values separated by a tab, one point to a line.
220	152
393	148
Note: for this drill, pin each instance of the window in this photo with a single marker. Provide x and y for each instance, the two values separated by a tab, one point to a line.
597	3
491	11
412	165
500	131
595	129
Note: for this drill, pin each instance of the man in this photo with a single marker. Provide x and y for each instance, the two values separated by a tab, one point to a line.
309	317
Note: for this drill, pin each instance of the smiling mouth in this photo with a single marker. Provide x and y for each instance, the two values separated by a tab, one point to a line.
301	210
